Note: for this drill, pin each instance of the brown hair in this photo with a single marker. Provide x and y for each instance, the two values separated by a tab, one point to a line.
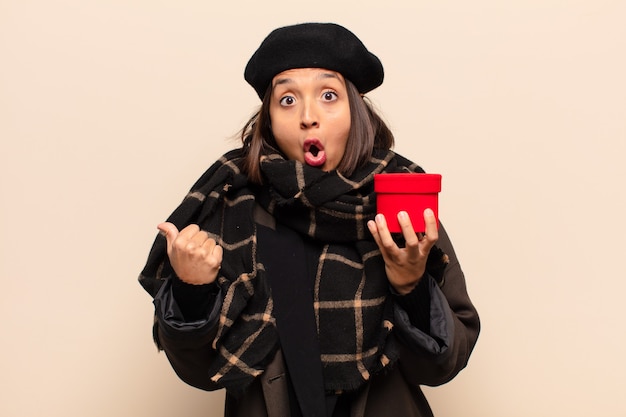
368	131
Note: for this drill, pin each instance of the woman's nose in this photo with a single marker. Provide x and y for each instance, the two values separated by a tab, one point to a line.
309	116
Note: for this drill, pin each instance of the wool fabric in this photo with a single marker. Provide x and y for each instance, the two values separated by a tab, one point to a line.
352	303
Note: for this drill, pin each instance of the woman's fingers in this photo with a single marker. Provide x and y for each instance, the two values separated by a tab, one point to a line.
195	256
411	239
406	265
432	230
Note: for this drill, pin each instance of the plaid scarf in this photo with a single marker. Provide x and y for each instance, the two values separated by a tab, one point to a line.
353	312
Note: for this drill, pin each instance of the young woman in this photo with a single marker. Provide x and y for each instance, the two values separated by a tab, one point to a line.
275	278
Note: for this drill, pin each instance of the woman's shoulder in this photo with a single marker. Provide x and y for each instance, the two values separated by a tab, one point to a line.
397	162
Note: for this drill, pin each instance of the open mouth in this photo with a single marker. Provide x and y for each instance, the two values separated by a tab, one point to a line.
314	154
314	150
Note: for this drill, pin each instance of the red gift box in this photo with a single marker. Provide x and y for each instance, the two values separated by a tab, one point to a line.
411	192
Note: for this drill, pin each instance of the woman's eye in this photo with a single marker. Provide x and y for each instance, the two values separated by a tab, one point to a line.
287	101
329	96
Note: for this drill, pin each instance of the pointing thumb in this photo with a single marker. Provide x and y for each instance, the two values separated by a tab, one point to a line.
170	231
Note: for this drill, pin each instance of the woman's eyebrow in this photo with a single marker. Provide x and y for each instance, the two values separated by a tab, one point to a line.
288	80
280	81
328	75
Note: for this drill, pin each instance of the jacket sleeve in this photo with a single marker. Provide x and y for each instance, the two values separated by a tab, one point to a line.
187	344
436	354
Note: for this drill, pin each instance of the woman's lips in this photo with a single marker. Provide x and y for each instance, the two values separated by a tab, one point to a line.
314	154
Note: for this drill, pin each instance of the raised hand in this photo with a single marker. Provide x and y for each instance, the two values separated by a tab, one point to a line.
405	266
195	257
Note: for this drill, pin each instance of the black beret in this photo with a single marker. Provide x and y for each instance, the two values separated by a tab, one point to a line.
314	45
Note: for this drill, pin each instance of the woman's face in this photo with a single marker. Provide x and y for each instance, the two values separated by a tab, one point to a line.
310	116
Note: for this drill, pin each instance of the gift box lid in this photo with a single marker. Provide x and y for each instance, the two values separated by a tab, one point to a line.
407	183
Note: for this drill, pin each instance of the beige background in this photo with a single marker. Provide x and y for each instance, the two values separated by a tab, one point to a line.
109	110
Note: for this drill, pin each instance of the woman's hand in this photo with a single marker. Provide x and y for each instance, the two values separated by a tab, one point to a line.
195	257
405	266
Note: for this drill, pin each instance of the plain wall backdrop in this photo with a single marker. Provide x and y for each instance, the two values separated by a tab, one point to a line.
110	110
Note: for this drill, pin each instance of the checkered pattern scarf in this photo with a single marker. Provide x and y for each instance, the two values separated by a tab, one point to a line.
353	312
